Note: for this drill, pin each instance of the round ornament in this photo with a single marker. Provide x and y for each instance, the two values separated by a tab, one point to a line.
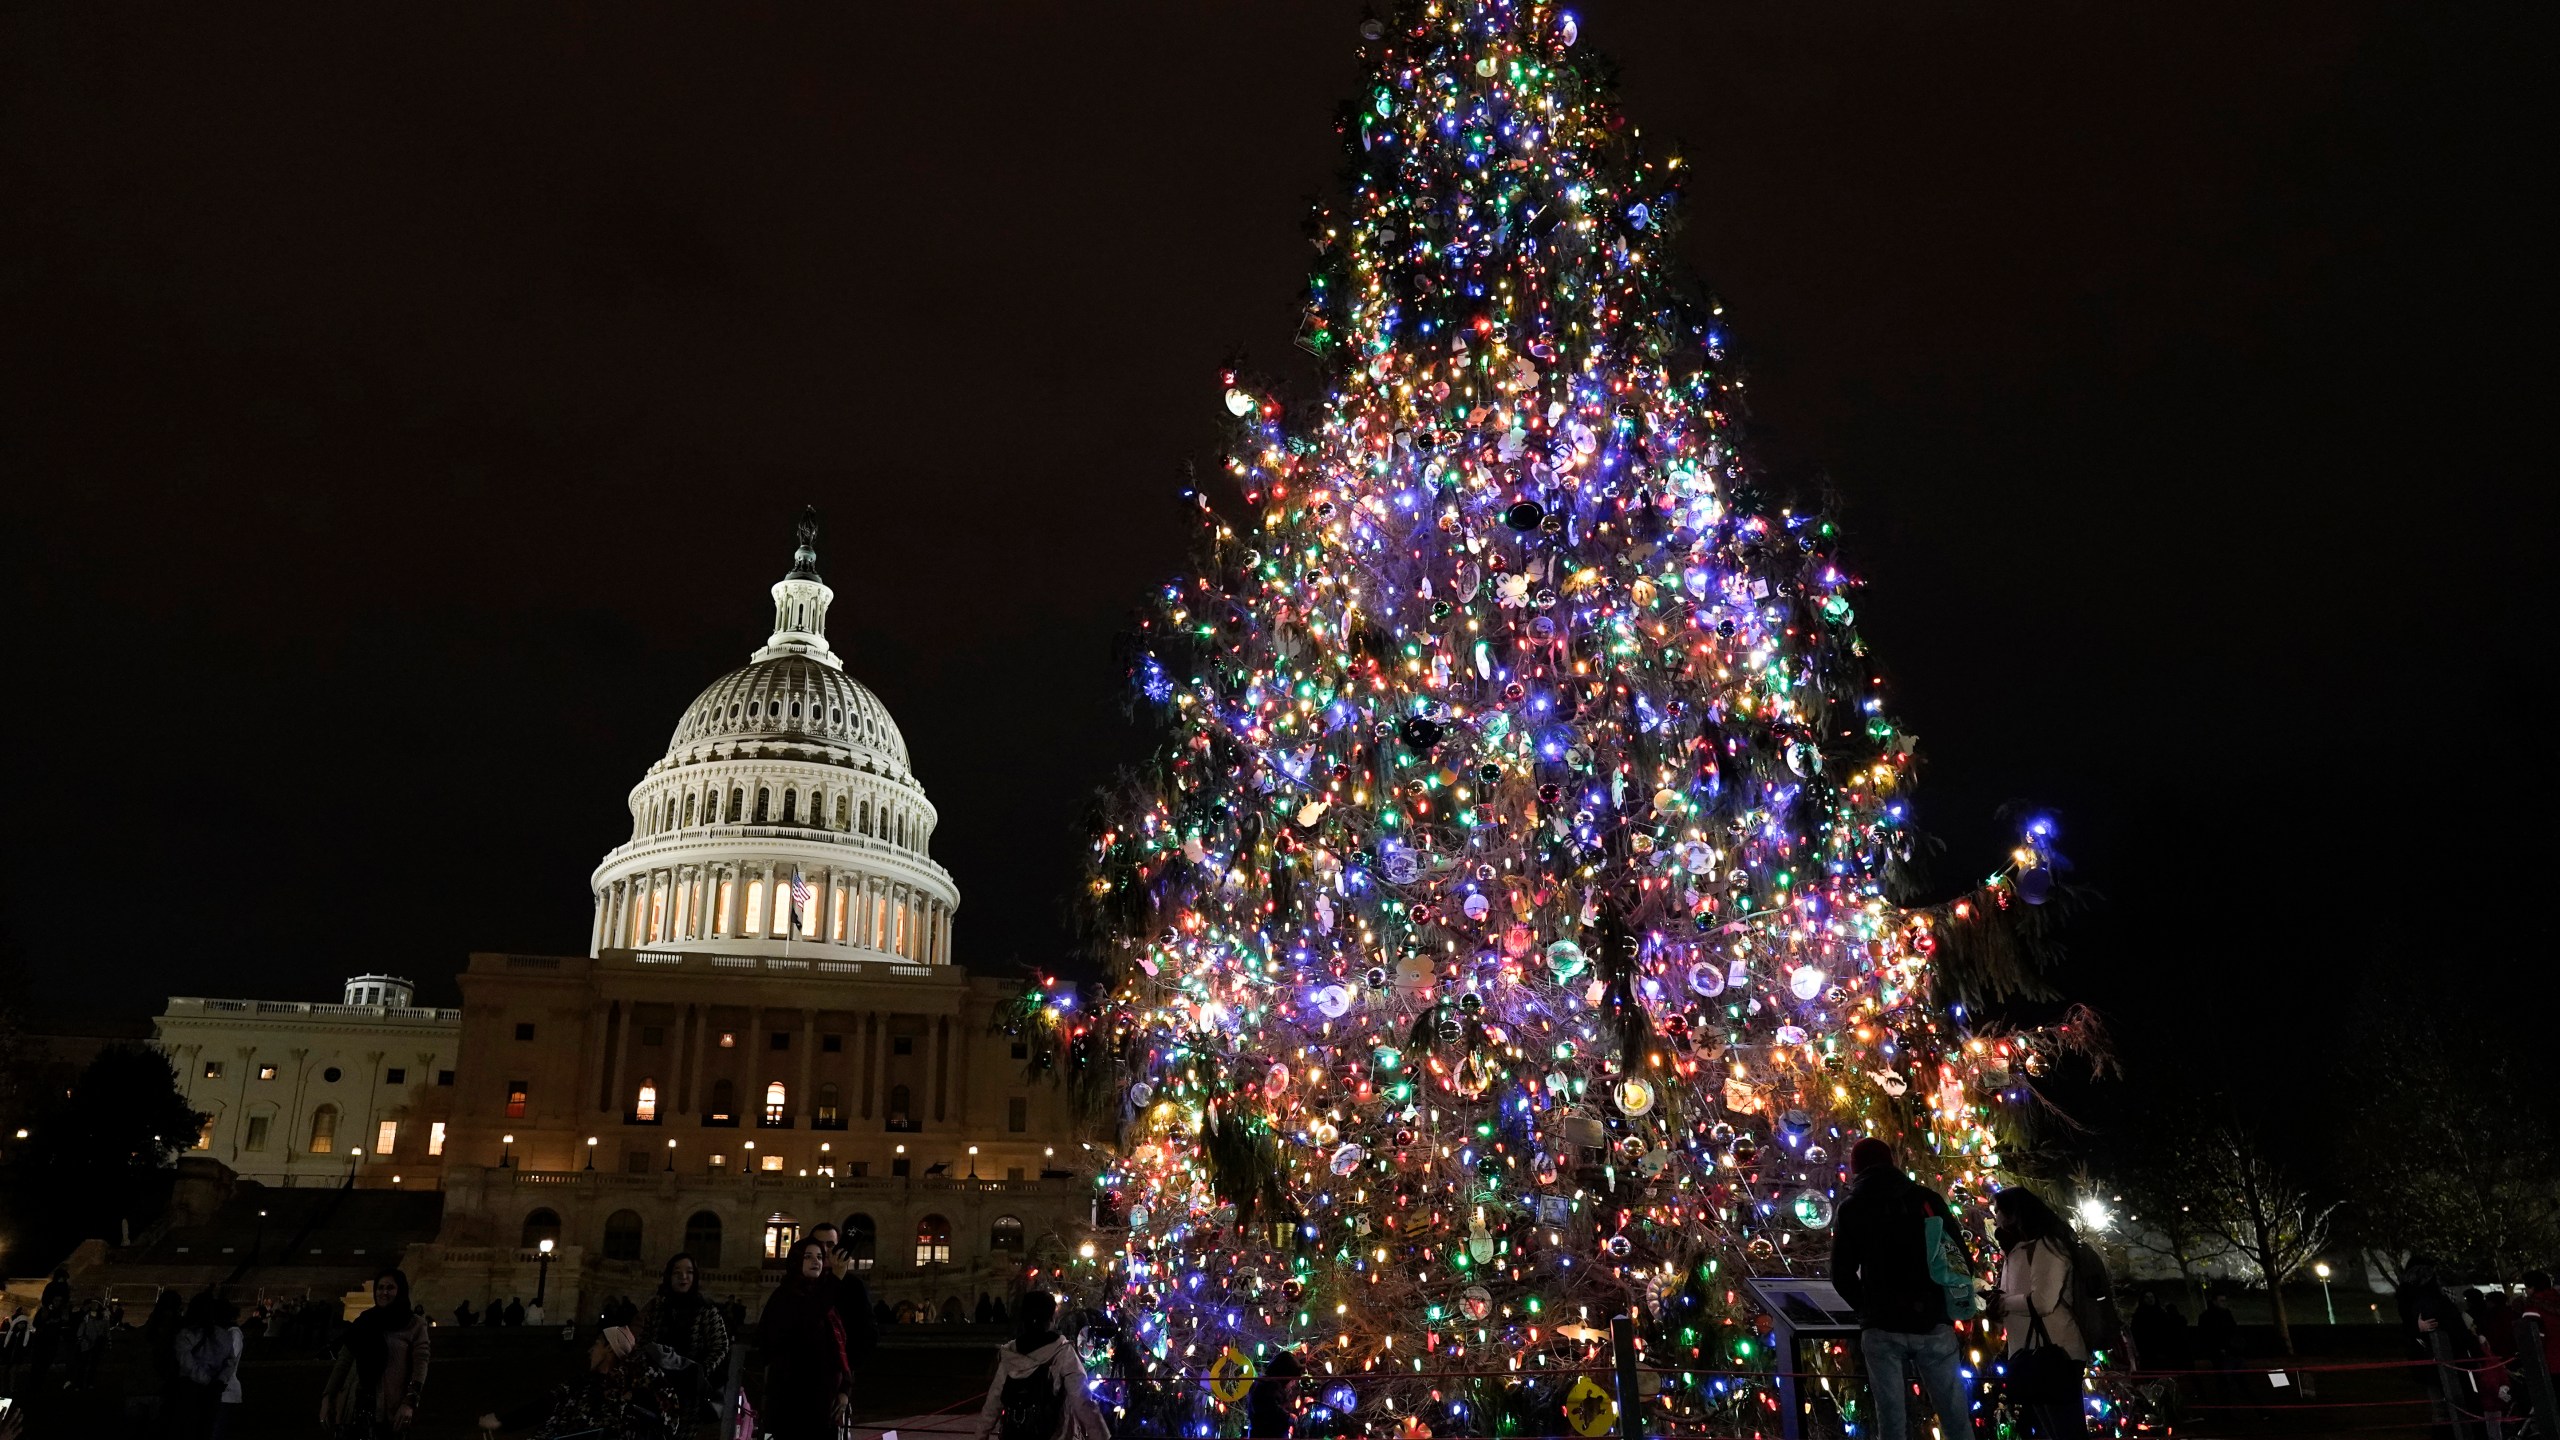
1138	1217
1588	1408
1476	1302
1240	403
1634	1097
1807	981
1891	1082
1698	858
1813	1209
1348	1158
1565	959
1707	978
1476	907
1619	1247
1332	1001
1231	1375
1275	1081
1140	1092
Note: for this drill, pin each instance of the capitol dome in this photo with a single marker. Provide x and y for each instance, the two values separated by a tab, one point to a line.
783	769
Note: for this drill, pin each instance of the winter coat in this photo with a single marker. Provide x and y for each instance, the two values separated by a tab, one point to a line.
404	1376
1878	1261
2035	1283
1081	1418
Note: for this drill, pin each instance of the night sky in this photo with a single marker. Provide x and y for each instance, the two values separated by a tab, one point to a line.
403	410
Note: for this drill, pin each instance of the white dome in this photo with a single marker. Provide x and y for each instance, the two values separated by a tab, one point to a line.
783	768
791	698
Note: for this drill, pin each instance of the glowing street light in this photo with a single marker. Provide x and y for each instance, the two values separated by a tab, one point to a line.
2326	1299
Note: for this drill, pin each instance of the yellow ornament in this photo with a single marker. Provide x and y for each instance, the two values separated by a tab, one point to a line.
1231	1376
1588	1408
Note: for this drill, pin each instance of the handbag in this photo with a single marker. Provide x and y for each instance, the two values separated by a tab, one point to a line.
2042	1372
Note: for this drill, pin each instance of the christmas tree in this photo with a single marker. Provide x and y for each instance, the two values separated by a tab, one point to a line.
1513	932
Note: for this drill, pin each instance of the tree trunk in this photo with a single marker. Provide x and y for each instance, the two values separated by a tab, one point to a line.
2284	1323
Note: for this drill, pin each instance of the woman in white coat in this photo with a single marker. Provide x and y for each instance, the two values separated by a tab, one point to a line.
2046	1352
1039	1392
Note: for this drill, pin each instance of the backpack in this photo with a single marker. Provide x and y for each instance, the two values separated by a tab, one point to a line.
1032	1407
2090	1297
201	1354
1950	1268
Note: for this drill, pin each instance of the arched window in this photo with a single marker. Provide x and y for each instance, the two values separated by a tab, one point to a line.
653	817
749	924
737	804
724	1101
861	1241
539	1226
898	1104
790	807
844	813
773	1103
781	1232
933	1241
720	912
830	1104
324	1130
866	817
702	1239
688	810
902	827
1004	1237
622	1235
646	1107
764	804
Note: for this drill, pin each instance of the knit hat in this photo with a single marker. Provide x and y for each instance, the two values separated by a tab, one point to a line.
1867	1154
622	1341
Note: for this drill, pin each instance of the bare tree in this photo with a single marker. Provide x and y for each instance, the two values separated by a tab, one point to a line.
2246	1203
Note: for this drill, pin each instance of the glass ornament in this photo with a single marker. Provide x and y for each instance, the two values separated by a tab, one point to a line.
1707	978
1635	1097
1619	1247
1565	959
1807	981
1813	1209
1475	1302
1348	1158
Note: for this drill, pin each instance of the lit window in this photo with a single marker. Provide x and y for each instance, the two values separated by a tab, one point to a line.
324	1130
728	1039
213	1069
837	932
772	1162
657	914
773	1105
1005	1235
780	1234
719	1162
435	1137
781	907
517	1090
899	944
386	1137
933	1241
755	906
204	1133
647	1108
720	916
684	912
266	1072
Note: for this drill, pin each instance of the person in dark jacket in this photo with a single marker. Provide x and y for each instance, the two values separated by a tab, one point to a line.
853	1298
683	1320
1880	1265
808	1384
1271	1406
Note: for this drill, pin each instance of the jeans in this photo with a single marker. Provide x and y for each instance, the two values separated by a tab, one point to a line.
1892	1356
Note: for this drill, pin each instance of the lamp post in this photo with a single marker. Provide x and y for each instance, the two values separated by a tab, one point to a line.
355	1161
671	1157
591	1152
2326	1299
973	1162
542	1277
506	1151
258	1246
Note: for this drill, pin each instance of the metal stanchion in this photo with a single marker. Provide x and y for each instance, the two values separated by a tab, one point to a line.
2532	1363
1622	1330
2452	1382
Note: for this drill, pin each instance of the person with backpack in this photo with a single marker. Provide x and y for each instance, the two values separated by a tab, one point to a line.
2045	1310
212	1360
1039	1391
1898	1257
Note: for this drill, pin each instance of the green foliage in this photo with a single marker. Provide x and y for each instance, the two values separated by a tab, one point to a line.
98	1154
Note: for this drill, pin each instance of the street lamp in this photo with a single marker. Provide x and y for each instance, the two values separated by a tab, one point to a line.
973	1162
355	1158
671	1157
506	1155
542	1278
591	1152
2326	1299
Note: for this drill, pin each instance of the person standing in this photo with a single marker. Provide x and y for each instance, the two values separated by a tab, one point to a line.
682	1319
2047	1354
381	1370
1039	1390
807	1381
1271	1406
1881	1264
212	1346
853	1297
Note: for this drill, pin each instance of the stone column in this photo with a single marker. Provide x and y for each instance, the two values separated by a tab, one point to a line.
932	1103
595	928
698	1094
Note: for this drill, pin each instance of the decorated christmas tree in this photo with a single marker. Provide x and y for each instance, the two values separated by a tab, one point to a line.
1515	929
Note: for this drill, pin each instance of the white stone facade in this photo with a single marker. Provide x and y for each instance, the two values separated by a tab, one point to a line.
300	1093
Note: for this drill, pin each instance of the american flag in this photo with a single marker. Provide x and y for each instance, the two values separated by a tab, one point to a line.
799	902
